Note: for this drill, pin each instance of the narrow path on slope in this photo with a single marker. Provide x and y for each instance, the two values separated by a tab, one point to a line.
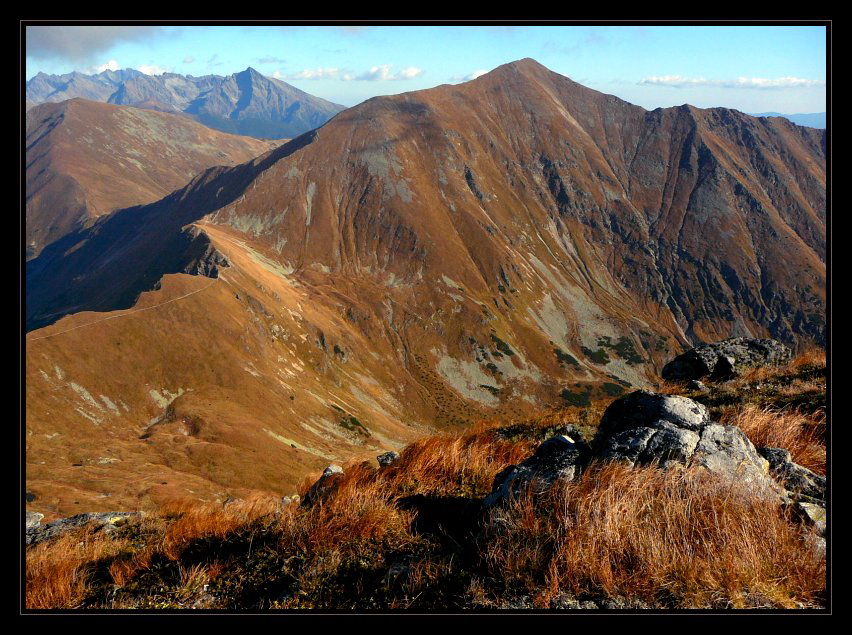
129	312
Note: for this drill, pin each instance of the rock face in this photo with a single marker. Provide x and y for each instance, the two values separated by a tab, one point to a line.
562	457
103	521
725	359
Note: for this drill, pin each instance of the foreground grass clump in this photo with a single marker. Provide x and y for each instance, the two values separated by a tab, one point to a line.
414	535
675	538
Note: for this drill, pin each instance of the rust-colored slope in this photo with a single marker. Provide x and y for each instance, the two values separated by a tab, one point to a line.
482	250
85	159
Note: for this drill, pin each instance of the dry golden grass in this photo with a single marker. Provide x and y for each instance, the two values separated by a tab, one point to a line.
453	465
194	520
802	435
673	536
57	573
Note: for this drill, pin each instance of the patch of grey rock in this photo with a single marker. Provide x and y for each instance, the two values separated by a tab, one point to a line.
726	359
100	521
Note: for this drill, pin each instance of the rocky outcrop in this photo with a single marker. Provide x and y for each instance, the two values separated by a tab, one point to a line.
726	359
562	457
646	428
804	489
643	428
99	521
324	487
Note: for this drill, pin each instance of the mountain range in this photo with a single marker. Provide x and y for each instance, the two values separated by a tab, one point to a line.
245	103
421	261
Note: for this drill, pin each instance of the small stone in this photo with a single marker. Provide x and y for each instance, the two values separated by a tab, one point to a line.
812	514
33	519
332	469
388	458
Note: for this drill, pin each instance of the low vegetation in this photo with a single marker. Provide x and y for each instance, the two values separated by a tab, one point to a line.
414	535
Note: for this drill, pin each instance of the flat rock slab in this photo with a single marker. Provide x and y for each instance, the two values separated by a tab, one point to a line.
105	521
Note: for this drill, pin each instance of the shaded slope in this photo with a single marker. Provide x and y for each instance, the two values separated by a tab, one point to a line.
86	159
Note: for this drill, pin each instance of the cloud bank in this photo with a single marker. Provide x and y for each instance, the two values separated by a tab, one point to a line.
678	81
80	43
375	74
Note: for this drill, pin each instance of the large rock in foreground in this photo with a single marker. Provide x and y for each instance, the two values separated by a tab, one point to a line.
725	359
646	428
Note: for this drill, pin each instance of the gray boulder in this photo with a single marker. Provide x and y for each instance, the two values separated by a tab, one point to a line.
645	428
33	519
800	482
324	487
559	458
726	359
643	408
100	521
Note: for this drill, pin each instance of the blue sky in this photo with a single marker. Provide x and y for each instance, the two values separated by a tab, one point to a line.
779	68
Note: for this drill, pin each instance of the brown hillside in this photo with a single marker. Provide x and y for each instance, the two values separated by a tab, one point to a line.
86	159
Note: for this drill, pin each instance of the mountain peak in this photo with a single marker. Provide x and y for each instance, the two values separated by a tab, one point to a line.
252	73
525	66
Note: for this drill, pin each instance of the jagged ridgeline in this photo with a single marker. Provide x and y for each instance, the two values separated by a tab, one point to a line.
245	103
421	262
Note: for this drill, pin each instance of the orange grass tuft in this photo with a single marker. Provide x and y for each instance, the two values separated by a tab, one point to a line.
680	537
803	436
57	573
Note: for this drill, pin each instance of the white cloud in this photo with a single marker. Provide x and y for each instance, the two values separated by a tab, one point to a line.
383	73
409	73
678	81
469	76
152	69
315	73
111	65
189	59
376	73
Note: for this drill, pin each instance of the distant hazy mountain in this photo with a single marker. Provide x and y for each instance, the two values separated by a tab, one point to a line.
245	103
53	88
812	120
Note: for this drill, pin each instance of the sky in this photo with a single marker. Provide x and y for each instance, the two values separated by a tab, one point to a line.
755	69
